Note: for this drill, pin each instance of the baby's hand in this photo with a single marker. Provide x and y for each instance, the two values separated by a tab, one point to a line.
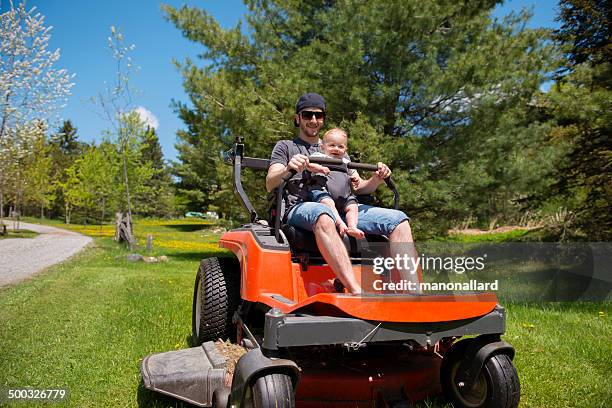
317	168
342	228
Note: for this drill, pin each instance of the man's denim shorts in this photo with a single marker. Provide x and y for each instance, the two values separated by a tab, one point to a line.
317	195
372	220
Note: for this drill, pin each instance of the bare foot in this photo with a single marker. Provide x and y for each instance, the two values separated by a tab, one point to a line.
355	233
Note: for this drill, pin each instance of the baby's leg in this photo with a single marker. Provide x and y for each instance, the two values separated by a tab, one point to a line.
351	219
339	223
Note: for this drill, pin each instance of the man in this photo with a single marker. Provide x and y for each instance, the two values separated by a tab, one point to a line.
316	217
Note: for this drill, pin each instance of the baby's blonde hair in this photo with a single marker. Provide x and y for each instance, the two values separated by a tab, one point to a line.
335	130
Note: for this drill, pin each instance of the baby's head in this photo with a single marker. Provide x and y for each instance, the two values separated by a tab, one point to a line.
335	143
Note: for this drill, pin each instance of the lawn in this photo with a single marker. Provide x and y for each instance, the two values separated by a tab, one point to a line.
21	233
85	324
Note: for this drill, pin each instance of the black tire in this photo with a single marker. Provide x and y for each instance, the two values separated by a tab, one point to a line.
271	391
497	385
216	297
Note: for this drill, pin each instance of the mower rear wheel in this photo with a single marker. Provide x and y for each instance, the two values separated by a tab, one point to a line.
271	391
497	385
216	296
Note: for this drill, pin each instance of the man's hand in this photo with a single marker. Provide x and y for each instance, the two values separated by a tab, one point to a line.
298	162
383	171
355	181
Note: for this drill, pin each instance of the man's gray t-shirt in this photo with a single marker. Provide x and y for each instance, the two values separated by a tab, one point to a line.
283	151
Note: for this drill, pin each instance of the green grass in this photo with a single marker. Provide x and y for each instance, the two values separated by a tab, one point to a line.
86	324
22	233
508	236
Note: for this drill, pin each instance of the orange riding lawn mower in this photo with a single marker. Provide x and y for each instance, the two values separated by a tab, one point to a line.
307	343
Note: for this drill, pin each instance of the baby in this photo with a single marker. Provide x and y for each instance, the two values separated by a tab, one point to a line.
334	189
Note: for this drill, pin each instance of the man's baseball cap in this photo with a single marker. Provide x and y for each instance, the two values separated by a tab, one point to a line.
309	100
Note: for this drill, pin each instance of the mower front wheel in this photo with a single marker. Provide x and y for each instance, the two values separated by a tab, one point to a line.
216	296
497	385
270	391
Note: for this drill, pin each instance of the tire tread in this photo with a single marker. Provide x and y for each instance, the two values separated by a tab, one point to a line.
273	391
220	280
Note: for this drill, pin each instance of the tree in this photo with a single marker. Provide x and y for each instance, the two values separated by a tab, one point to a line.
21	147
134	171
65	148
579	112
98	171
66	140
39	186
31	87
73	191
413	82
159	199
585	31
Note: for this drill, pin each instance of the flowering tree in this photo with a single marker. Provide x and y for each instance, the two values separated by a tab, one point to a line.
31	87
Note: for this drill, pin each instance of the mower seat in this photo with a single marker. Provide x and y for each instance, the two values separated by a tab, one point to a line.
301	240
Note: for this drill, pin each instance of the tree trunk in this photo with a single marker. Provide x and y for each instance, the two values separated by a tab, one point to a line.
492	223
103	213
127	191
5	113
3	230
118	217
67	215
123	229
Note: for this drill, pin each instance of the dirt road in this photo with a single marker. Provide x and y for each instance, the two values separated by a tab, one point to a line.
21	258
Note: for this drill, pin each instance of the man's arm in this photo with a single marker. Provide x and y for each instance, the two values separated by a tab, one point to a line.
361	186
276	173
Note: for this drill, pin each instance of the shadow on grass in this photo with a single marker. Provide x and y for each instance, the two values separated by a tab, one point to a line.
435	401
190	340
151	399
147	398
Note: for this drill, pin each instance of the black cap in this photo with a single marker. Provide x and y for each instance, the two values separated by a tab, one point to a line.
310	100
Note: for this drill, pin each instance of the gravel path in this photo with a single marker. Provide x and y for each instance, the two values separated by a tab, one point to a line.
21	258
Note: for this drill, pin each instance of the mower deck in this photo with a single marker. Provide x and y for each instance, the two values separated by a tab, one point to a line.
191	374
337	379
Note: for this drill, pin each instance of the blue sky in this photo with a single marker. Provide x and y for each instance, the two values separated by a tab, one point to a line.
80	29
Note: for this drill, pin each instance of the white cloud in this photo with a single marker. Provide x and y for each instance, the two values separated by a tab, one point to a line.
147	117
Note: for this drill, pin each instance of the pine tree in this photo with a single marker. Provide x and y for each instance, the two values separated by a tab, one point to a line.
579	108
158	200
64	148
